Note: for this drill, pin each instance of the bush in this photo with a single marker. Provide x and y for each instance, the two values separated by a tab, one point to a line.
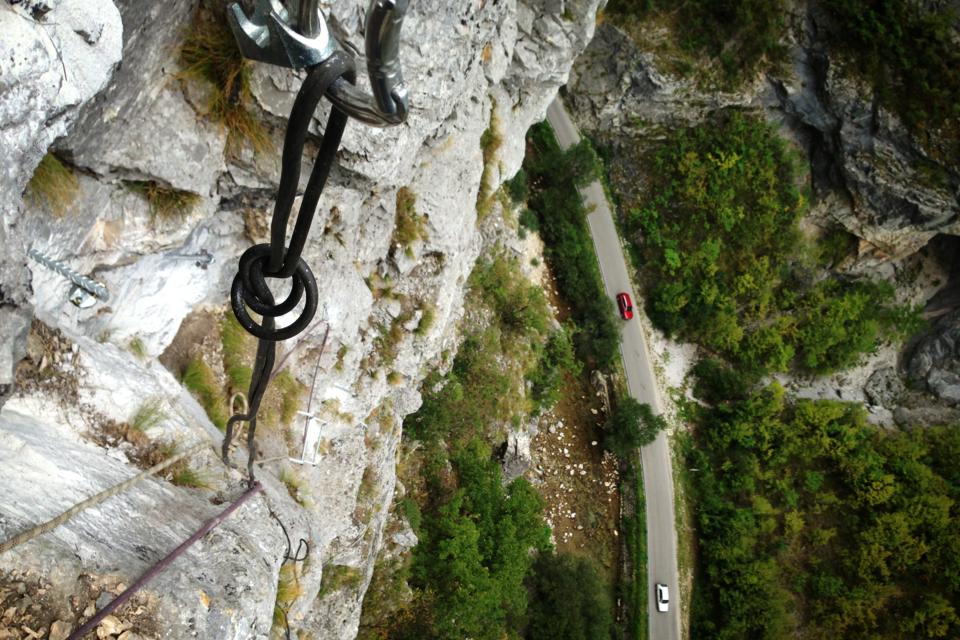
839	323
517	305
567	600
517	187
556	359
631	425
720	245
529	220
717	382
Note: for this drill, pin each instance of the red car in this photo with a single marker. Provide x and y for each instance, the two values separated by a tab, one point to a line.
625	305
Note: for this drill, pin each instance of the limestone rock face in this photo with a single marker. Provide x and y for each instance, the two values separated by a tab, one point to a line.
54	56
141	127
488	65
894	192
902	192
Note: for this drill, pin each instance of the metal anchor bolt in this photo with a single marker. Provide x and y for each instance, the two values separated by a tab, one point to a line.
91	287
268	36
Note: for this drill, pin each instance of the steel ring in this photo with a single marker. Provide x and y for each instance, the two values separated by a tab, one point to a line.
239	303
257	294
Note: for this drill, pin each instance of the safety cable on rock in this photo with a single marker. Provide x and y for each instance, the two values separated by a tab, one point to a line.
270	37
155	570
52	524
289	557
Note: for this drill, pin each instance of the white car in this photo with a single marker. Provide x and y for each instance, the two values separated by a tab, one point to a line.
663	598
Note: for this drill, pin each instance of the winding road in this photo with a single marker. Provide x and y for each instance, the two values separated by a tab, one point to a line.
657	474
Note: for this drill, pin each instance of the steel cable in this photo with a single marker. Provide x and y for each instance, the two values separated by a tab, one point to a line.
276	259
52	524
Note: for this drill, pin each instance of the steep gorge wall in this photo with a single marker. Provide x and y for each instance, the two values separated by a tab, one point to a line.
888	186
469	67
897	192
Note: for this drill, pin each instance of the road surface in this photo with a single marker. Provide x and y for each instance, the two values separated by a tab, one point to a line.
657	474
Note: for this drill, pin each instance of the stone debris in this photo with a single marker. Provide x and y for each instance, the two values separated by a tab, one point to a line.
32	609
578	482
60	630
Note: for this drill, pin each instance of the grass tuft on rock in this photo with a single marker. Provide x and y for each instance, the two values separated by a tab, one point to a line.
289	590
210	54
138	348
337	577
490	142
427	317
410	226
53	186
291	393
238	347
149	415
200	380
165	203
186	476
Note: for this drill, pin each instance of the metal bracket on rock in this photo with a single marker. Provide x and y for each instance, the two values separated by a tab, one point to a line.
268	35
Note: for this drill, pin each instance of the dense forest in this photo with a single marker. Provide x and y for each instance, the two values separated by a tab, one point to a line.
725	265
813	523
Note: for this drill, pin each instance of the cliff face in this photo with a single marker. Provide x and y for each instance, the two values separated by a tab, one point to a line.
894	190
484	65
870	173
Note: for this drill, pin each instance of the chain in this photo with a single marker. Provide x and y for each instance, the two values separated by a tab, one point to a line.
276	259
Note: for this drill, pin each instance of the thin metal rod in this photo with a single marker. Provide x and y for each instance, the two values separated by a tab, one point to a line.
93	622
50	525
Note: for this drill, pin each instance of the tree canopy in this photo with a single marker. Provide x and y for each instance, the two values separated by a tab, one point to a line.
812	523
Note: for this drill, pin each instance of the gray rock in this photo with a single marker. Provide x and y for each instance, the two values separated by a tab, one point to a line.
934	362
876	178
49	67
142	127
516	459
884	387
902	195
54	57
925	416
14	325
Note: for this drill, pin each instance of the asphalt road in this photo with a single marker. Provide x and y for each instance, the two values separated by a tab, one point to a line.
657	475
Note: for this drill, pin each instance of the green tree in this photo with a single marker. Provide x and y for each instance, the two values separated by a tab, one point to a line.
631	425
475	551
556	359
567	600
